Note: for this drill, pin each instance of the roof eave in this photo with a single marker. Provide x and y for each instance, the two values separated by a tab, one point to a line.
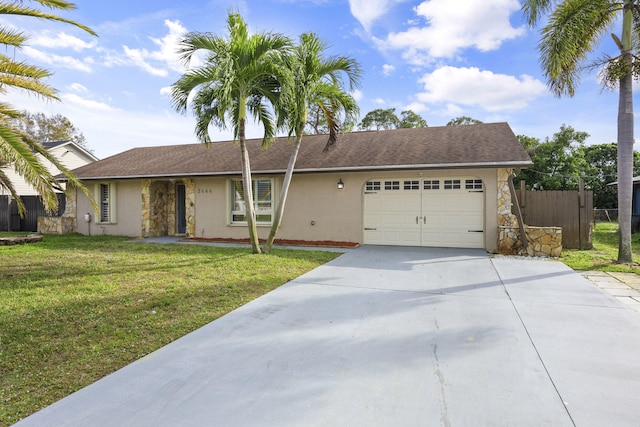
476	165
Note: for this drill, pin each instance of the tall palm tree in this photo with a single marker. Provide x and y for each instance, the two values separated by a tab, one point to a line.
314	80
18	150
238	76
572	33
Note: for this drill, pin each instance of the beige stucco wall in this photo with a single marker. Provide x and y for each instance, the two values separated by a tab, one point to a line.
128	205
316	209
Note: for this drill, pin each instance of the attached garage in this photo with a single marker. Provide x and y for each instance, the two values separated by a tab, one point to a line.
433	211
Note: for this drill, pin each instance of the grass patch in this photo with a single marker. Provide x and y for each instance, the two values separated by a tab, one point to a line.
603	255
75	308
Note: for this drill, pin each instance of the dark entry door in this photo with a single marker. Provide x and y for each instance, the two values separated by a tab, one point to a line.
181	209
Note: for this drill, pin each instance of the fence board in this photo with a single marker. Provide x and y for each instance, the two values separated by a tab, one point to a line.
571	210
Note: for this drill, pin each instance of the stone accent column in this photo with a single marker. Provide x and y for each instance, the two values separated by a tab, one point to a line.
190	201
146	207
171	209
505	217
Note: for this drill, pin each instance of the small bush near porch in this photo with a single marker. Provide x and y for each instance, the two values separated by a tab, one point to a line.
75	308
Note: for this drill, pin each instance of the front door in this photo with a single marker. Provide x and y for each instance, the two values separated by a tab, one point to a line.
181	209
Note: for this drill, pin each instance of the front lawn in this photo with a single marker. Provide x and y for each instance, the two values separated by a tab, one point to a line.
604	253
75	308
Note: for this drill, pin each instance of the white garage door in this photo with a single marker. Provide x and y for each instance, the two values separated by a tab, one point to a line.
439	212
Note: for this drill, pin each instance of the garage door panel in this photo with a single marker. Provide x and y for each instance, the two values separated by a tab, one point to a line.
444	216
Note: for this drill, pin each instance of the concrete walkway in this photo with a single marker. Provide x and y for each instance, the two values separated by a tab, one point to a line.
388	336
625	287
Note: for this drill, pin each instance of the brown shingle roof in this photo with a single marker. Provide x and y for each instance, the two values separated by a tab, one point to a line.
481	145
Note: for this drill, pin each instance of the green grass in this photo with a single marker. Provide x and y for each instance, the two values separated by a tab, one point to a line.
75	308
604	253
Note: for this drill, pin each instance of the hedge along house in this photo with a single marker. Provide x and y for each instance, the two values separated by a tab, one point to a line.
437	186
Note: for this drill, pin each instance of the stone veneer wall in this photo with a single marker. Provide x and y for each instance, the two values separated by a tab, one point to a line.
542	241
159	208
67	223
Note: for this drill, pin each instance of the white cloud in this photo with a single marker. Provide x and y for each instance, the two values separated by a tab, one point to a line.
77	87
86	104
162	58
484	89
60	41
387	70
368	11
137	58
453	26
57	60
416	107
165	90
357	94
379	101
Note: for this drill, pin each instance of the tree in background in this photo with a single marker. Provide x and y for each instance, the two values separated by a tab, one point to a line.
558	163
315	79
17	148
238	76
380	119
387	120
572	32
601	170
410	119
463	120
42	128
317	122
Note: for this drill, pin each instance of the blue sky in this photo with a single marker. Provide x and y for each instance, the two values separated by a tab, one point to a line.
439	58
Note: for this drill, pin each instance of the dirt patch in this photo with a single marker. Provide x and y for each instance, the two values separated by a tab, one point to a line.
284	242
20	240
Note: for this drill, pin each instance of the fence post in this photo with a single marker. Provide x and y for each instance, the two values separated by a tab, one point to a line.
522	198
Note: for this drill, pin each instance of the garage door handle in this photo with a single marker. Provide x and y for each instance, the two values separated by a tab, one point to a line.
475	231
416	220
369	229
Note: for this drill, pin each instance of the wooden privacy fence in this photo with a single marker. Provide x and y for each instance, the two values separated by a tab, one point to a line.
571	210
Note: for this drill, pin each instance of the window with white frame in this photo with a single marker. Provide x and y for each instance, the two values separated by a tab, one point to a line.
105	196
262	201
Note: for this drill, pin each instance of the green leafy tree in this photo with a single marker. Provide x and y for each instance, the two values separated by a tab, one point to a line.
380	119
571	34
558	163
410	119
463	120
239	76
315	80
43	128
601	170
18	149
317	123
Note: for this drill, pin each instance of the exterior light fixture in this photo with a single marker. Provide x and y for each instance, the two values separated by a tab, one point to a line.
340	184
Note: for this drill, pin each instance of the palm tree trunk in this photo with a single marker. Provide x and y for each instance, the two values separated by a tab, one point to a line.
625	168
250	212
277	218
625	142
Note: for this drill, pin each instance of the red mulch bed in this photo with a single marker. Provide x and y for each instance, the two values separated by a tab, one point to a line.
318	243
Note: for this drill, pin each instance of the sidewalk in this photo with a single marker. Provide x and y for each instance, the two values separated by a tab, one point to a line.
625	287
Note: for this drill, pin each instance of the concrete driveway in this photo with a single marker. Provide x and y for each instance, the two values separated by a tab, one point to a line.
389	336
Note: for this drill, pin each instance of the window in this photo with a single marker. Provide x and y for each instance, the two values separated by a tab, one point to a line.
105	196
432	184
451	184
373	186
262	201
392	185
412	185
473	184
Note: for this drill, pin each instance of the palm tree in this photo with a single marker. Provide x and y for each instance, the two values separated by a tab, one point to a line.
17	149
314	80
238	76
573	32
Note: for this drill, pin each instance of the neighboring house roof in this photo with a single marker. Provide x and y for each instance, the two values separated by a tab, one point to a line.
464	146
55	144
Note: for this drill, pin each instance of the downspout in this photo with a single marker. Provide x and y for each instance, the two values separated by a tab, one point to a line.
518	213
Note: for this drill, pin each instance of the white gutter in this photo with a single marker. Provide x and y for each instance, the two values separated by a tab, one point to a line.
319	170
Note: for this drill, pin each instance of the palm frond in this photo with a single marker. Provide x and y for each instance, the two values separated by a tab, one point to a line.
573	30
19	9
